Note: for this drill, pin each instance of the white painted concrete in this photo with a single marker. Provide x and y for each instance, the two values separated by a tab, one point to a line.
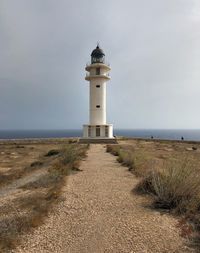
89	131
97	99
97	75
97	94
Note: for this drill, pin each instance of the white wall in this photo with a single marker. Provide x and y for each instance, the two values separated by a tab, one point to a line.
102	131
97	97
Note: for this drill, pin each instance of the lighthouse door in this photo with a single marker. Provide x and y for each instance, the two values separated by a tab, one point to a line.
97	131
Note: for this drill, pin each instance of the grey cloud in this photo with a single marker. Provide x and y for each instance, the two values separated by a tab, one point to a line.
152	46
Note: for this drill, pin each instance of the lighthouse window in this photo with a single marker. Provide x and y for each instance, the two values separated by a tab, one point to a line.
89	131
97	106
98	86
98	131
97	71
106	131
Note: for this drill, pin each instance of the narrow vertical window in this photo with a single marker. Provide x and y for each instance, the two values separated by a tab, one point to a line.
106	131
89	131
97	71
98	131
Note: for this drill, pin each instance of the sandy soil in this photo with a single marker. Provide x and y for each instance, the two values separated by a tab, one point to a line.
21	164
100	213
15	159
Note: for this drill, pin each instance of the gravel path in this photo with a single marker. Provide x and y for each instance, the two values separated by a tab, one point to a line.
101	214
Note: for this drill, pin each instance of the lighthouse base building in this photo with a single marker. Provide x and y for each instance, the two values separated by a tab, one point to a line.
97	75
98	131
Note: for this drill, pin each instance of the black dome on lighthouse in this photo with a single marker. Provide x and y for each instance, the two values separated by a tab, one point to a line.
97	52
97	55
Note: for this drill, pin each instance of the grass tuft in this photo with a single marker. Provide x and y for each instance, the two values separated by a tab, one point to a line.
175	186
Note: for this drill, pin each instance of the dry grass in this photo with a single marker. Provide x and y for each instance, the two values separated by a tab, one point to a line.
113	149
134	159
20	160
69	159
10	176
170	173
29	210
30	213
175	186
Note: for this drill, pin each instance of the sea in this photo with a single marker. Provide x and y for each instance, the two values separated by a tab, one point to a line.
165	134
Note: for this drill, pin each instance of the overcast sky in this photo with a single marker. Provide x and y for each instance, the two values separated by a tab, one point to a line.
153	47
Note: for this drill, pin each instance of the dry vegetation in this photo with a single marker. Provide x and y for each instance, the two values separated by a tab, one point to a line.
170	173
33	176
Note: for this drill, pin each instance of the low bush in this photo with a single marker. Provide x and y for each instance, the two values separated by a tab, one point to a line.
53	152
176	186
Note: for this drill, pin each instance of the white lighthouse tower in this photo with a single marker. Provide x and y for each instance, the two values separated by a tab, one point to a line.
97	75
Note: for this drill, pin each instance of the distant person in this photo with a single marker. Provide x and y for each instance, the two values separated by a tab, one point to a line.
182	138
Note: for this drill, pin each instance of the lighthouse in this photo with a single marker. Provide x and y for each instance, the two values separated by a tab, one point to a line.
97	75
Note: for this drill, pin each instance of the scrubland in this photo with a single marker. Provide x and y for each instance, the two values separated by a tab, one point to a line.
169	171
32	174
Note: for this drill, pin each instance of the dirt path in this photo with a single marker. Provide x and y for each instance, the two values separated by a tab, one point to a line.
101	214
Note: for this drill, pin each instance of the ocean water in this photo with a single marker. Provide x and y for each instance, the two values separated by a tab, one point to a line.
193	135
165	134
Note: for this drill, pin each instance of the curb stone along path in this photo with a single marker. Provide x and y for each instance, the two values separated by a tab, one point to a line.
101	214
